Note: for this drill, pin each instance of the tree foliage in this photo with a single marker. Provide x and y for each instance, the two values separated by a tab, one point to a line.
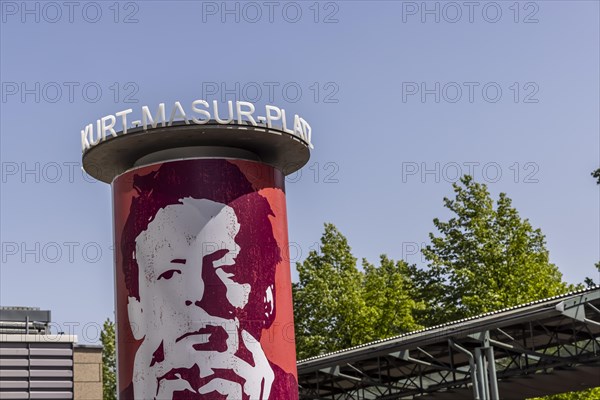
596	174
589	282
327	298
390	299
486	258
109	363
337	306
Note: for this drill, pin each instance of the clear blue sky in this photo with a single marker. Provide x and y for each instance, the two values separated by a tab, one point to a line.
361	67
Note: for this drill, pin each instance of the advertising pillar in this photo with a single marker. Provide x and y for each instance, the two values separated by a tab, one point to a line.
203	281
202	269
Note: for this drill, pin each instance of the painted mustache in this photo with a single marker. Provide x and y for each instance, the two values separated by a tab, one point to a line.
213	338
192	377
209	338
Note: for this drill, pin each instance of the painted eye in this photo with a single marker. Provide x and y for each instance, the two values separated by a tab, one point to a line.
169	274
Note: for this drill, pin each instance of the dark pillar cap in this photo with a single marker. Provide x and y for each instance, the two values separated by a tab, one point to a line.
138	147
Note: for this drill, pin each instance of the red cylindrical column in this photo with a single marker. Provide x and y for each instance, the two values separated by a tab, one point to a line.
203	286
202	273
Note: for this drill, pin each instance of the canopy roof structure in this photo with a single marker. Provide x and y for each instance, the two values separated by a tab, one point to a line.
543	347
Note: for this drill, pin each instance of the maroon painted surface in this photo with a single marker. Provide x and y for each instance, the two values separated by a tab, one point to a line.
203	287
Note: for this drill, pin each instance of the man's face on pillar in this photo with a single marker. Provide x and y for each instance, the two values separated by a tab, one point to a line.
190	296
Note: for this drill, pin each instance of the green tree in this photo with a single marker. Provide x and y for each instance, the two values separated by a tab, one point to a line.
337	306
328	301
589	282
390	299
486	258
596	174
109	363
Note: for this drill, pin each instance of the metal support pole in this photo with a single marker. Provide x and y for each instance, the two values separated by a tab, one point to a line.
495	394
481	374
472	365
